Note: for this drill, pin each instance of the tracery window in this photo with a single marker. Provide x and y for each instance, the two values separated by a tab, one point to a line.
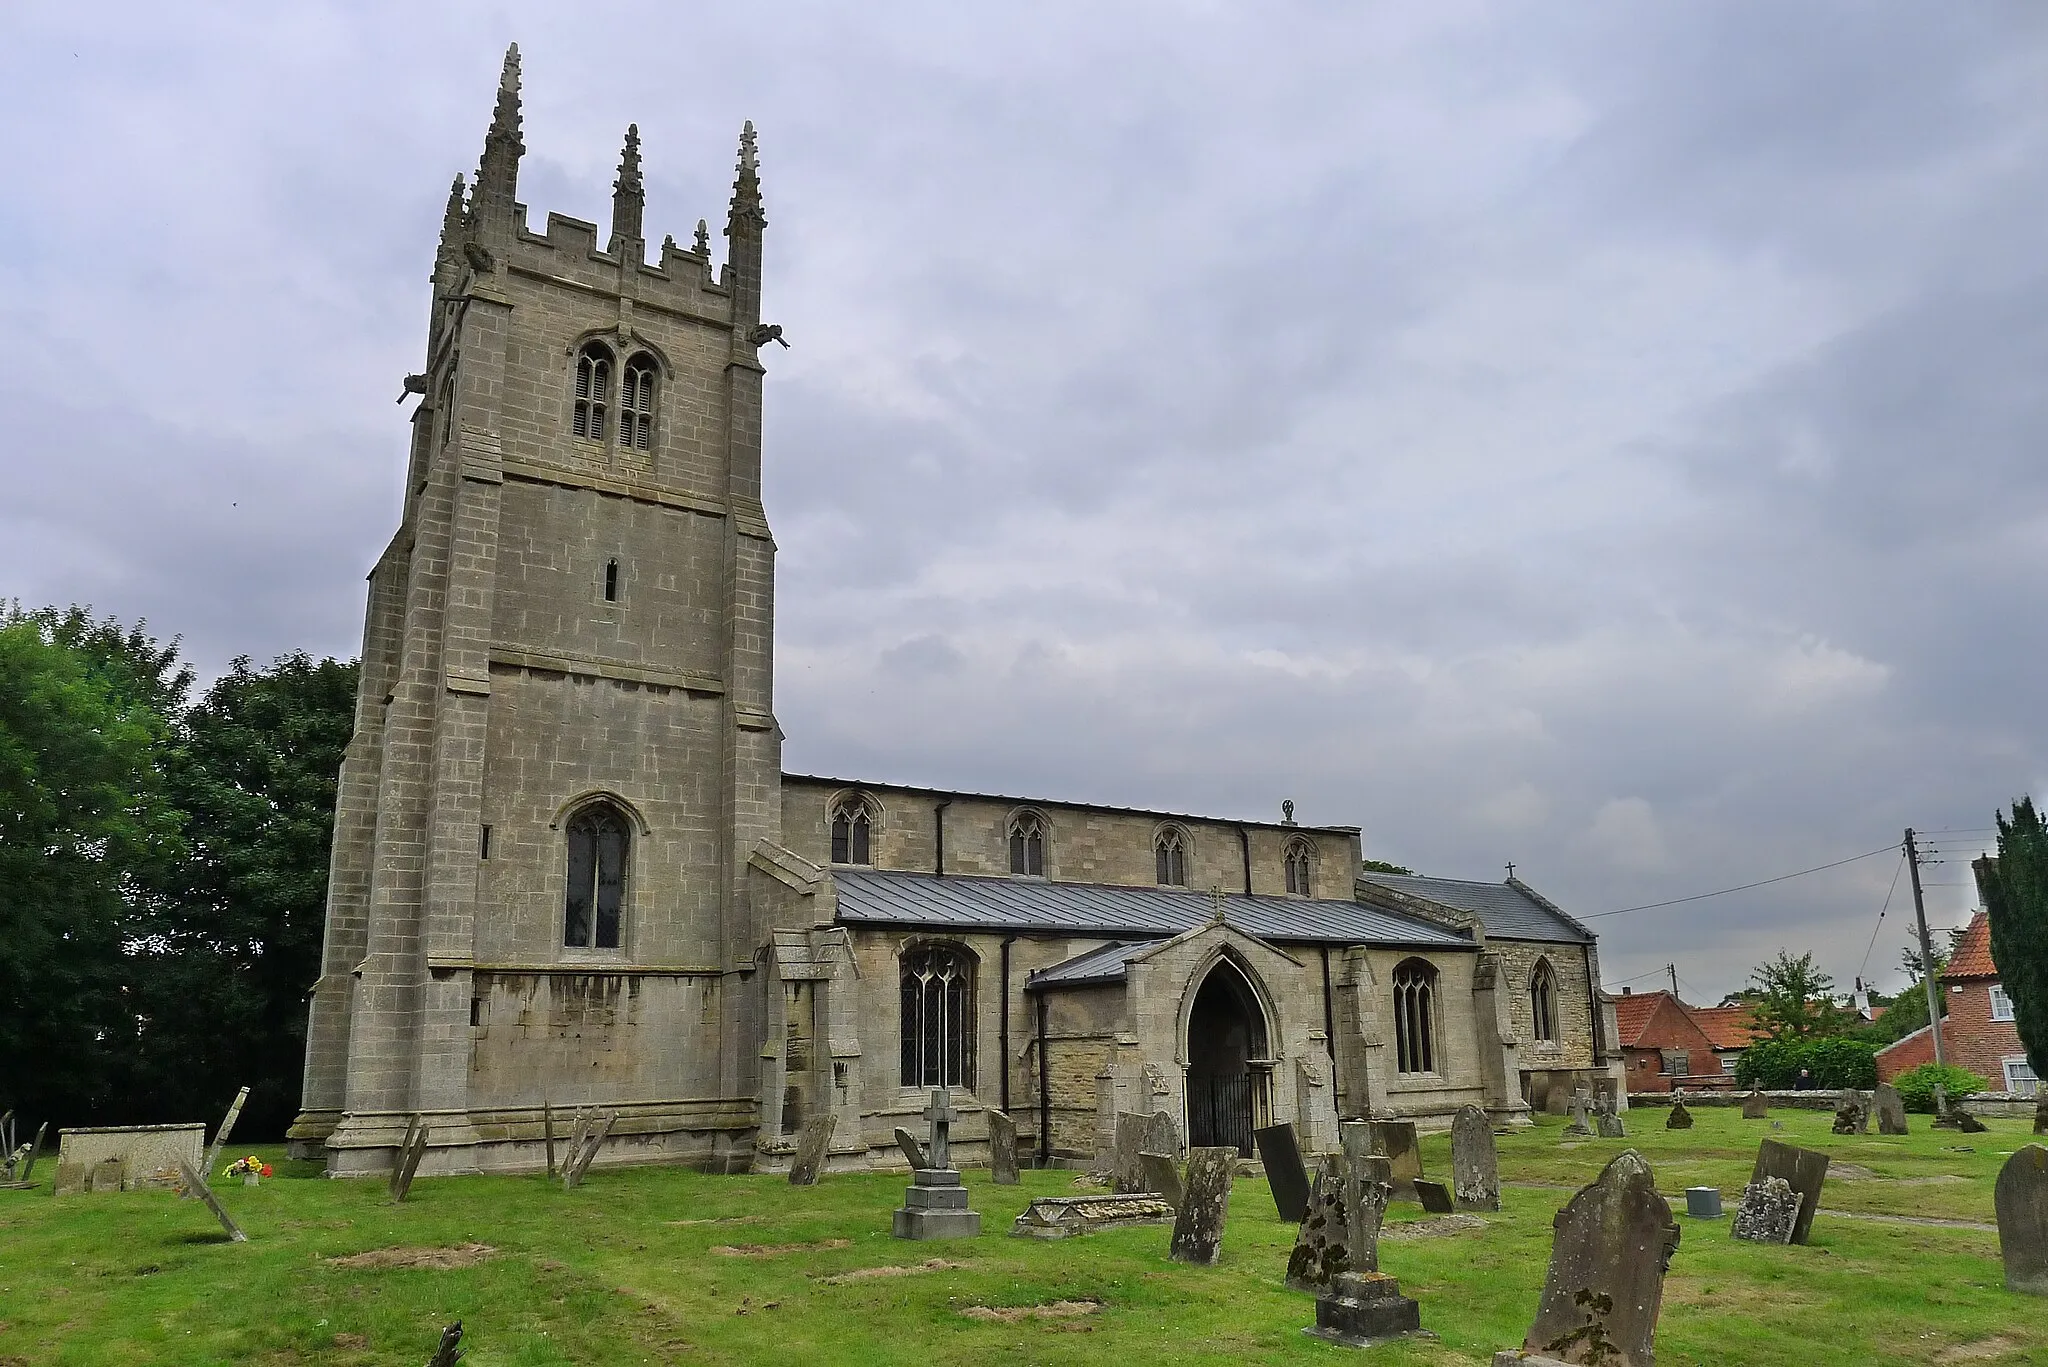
1300	869
1415	1017
593	391
852	822
938	1017
1543	1001
636	404
1027	844
598	846
1170	855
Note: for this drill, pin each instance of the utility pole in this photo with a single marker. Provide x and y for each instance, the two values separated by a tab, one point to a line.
1672	969
1931	986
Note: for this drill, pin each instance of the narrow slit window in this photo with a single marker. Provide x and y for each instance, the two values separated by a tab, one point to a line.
1543	1002
593	392
483	845
611	581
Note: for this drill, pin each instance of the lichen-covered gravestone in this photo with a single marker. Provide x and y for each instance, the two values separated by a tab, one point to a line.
1609	1121
1679	1119
1475	1161
1769	1214
1756	1106
1341	1231
813	1142
1127	1174
2022	1199
1804	1171
1612	1246
1852	1113
1286	1176
1890	1108
1002	1149
1204	1205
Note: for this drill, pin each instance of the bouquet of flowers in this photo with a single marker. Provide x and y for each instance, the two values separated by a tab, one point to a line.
248	1169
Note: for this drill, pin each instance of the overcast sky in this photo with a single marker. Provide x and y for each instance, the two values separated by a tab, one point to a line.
1604	437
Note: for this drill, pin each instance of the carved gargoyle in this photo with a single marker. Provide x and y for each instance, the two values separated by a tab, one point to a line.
479	256
414	384
761	334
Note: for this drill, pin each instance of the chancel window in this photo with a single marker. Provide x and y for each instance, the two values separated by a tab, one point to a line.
1027	844
851	827
598	845
1415	1017
636	404
1170	855
1543	1001
1300	869
938	1017
593	392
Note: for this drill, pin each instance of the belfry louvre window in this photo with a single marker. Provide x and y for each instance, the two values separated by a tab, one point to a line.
1027	844
593	392
1300	869
636	404
938	1017
851	826
598	846
1170	855
1415	1017
1543	1001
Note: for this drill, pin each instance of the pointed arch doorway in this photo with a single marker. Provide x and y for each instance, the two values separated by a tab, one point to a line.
1227	1060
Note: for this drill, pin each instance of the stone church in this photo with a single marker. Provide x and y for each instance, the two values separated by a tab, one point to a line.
569	869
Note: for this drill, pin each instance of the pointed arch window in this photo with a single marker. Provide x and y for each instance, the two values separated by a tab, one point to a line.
1415	1016
636	404
1301	868
588	418
1543	1002
1170	857
852	830
1027	845
599	843
938	1016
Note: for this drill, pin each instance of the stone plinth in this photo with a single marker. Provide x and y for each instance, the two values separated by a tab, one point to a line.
1364	1309
935	1207
1060	1217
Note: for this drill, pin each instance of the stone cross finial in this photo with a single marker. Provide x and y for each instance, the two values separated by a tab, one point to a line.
702	246
1287	812
1216	903
941	1115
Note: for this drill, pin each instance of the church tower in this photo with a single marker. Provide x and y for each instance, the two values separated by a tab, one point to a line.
564	751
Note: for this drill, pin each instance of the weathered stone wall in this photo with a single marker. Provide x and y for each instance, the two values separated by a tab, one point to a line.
1573	1047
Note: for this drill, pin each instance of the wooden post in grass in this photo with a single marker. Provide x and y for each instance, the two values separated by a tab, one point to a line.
579	1162
547	1125
227	1127
450	1351
195	1185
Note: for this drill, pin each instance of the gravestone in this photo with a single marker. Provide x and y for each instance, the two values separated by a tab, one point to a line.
1162	1177
1612	1244
220	1136
1581	1125
1611	1126
1204	1206
1890	1108
578	1163
2022	1200
406	1162
108	1174
1059	1217
912	1150
1395	1141
1365	1309
1803	1171
1435	1197
1341	1231
813	1142
1703	1203
1756	1106
1769	1214
1961	1121
935	1206
1475	1161
547	1132
72	1179
1852	1113
1285	1174
1161	1135
1679	1119
195	1185
1002	1149
2041	1111
1129	1174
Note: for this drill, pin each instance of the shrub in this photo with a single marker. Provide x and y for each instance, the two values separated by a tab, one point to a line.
1916	1088
1833	1063
1769	1063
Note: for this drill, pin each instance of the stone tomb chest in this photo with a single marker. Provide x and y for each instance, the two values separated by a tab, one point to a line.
149	1153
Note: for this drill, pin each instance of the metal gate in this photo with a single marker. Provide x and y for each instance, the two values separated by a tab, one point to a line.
1220	1113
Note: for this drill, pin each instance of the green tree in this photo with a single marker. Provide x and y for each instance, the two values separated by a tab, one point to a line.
1792	999
2015	891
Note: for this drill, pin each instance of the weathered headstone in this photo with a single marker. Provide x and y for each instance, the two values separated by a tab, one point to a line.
1130	1142
935	1205
1756	1106
1611	1126
1162	1135
1475	1161
2022	1201
1962	1121
1341	1231
1204	1206
1581	1125
813	1143
108	1174
1703	1203
1852	1113
912	1149
1770	1212
1679	1119
1285	1173
1435	1197
220	1136
1890	1108
406	1164
1002	1149
2041	1111
1395	1141
195	1185
1803	1170
1058	1217
72	1178
1365	1309
1613	1242
1162	1177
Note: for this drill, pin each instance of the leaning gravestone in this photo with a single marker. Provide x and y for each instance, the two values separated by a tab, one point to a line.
1002	1149
1612	1246
1803	1170
1769	1214
1890	1108
195	1185
1341	1232
1395	1140
1285	1174
2022	1199
1852	1113
1162	1177
1435	1197
935	1206
1679	1119
406	1164
912	1149
1756	1106
1161	1135
1204	1206
1475	1161
813	1142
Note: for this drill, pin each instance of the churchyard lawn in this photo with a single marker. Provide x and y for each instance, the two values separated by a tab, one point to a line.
665	1266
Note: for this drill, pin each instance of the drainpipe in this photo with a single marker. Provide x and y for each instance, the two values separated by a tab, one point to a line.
1003	1031
1044	1092
939	836
1244	839
1329	1018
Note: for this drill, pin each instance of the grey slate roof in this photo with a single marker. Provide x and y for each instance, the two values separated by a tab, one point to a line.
961	902
1509	911
1104	965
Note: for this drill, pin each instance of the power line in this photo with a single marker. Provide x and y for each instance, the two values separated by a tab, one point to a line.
1745	887
1880	916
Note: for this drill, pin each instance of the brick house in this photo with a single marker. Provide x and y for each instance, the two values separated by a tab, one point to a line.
1977	1031
1731	1028
1662	1044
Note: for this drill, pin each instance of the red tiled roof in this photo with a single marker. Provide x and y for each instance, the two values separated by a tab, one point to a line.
1632	1014
1729	1027
1972	958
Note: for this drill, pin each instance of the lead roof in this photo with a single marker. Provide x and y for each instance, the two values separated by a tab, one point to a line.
1509	911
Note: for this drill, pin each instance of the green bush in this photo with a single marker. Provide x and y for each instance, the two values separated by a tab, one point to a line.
1916	1088
1833	1063
1769	1063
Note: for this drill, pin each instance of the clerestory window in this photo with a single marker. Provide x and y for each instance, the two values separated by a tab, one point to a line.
938	1017
1027	844
1170	857
1300	869
1415	1016
636	404
588	418
852	831
598	847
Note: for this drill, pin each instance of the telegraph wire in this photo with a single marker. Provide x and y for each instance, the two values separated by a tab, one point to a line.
1867	949
1745	887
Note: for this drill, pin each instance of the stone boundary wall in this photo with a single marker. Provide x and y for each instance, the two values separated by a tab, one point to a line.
2008	1104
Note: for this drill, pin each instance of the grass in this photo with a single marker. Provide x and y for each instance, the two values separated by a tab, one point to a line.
629	1269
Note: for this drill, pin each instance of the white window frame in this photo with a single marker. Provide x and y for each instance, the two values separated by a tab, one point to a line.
2019	1075
2001	1005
